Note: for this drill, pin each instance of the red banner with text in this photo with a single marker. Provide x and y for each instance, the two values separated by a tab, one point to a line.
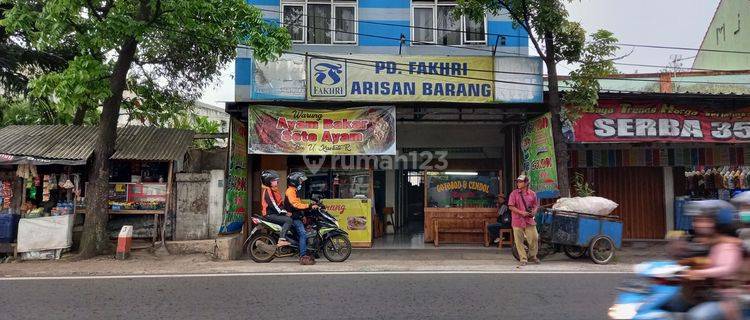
616	121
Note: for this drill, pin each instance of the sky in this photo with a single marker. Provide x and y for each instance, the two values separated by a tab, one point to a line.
675	23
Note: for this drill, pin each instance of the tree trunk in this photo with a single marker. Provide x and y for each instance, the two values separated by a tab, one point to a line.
95	239
80	115
554	102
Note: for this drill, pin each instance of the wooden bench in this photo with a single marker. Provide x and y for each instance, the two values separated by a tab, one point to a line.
481	228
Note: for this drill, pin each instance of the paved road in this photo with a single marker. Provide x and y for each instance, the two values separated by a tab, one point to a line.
327	296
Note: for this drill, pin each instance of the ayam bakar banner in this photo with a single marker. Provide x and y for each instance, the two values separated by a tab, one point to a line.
351	131
401	78
615	121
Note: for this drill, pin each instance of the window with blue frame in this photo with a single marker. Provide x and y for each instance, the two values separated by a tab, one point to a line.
433	23
320	21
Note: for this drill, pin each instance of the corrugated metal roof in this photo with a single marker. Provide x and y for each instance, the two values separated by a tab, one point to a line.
77	142
151	143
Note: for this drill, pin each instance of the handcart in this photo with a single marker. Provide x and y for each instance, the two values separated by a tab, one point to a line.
577	235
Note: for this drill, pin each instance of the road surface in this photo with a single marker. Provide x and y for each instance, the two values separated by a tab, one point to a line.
320	296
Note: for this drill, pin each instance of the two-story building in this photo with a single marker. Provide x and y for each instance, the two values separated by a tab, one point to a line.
400	102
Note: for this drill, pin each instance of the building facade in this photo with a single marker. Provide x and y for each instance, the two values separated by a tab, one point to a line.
397	102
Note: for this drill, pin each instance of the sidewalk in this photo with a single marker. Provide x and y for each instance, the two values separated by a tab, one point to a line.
362	260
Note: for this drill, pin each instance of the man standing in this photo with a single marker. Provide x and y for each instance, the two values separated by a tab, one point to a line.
523	205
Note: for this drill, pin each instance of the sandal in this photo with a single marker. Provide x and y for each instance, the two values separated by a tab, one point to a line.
283	243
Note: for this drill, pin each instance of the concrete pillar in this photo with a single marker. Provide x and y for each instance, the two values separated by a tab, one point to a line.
669	197
215	202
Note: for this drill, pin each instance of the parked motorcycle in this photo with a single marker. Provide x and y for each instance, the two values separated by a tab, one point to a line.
323	236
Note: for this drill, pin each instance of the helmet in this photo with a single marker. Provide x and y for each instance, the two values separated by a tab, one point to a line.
267	176
722	212
295	179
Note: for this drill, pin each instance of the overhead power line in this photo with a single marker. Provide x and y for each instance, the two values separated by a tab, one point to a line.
370	63
650	46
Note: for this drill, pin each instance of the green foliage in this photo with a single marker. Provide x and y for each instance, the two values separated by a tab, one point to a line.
583	188
199	124
181	47
557	39
593	65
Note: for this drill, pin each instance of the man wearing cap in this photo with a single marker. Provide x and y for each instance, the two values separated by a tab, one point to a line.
523	205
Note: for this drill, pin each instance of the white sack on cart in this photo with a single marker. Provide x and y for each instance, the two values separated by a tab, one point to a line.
46	233
592	205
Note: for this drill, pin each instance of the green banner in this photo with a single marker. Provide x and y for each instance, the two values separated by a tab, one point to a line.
236	185
539	162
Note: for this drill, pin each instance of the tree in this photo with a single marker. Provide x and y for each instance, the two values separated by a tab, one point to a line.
555	39
177	46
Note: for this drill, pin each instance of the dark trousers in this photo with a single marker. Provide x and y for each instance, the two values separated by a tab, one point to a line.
284	221
494	229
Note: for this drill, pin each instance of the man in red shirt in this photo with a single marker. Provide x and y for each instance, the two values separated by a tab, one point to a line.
523	205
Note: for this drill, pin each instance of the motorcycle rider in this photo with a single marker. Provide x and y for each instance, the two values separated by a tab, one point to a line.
716	228
271	203
296	207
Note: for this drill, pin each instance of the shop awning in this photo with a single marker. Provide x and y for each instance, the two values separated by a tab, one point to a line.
74	145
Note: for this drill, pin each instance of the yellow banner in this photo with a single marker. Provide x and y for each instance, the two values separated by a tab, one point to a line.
354	217
400	78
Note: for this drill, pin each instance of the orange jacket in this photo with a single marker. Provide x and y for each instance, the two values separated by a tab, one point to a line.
270	201
292	202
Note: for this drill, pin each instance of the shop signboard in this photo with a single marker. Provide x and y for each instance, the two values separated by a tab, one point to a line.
539	161
400	78
616	121
350	131
281	79
355	217
519	80
451	190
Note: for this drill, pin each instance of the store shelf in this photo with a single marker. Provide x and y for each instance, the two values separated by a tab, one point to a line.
136	212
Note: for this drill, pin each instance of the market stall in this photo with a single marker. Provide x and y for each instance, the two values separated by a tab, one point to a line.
44	170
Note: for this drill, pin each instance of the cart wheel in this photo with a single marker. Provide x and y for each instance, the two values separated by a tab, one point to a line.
574	252
602	250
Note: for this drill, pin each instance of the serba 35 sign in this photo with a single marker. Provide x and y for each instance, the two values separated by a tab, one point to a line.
619	122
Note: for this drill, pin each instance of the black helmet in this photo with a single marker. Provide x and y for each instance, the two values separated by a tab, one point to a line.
268	176
295	179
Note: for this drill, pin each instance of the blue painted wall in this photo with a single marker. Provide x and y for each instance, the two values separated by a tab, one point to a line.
375	37
380	26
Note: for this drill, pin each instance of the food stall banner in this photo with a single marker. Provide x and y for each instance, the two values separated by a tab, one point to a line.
400	78
351	131
615	121
539	161
9	159
355	217
446	190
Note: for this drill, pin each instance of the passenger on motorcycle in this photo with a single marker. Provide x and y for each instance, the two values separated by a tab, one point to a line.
271	204
296	207
714	226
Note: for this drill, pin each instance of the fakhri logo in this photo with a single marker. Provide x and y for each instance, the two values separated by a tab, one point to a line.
327	73
327	78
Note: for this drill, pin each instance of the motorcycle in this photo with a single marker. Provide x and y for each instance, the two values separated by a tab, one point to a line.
324	235
647	296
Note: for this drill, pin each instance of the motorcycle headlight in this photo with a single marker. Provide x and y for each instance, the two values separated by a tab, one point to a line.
624	310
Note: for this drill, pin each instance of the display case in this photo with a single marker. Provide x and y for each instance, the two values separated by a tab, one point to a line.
137	196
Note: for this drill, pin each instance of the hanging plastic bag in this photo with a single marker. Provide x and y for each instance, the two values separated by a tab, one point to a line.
63	178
